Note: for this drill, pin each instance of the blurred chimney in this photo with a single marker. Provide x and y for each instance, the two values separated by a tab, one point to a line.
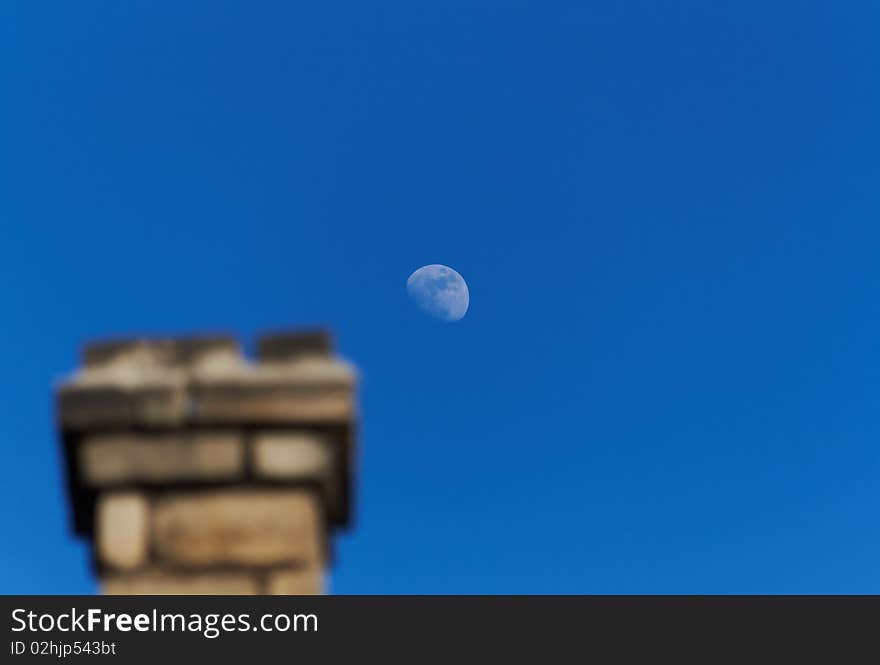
194	471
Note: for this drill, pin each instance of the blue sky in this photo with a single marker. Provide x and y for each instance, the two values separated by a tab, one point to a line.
667	213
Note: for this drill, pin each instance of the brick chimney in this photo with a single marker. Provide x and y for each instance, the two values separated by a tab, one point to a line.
193	470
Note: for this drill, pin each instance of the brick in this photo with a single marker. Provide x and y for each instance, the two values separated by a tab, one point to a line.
239	527
159	403
287	346
86	405
108	459
308	581
157	352
128	352
81	407
122	529
194	351
310	391
168	583
292	455
236	403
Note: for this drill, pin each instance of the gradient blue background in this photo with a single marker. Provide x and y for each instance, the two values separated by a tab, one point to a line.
668	214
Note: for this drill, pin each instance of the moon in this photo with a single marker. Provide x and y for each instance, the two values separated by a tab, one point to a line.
439	291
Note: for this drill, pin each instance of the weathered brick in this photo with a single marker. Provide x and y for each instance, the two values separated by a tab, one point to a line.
309	391
107	459
239	527
307	581
168	583
292	455
195	351
95	405
160	403
287	346
141	353
129	352
122	529
80	407
232	402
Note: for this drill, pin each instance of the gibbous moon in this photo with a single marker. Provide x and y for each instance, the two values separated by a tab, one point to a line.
439	291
